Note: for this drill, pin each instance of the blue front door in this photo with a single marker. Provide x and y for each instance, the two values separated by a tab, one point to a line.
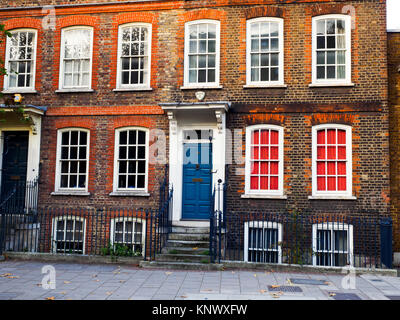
197	167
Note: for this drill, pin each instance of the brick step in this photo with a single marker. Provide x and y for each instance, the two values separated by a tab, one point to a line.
189	236
197	258
197	230
180	265
183	250
188	243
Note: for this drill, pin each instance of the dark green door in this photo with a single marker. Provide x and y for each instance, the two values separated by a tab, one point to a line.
15	163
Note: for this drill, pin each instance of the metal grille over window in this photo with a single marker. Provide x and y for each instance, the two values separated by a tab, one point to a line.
263	242
332	246
69	235
264	174
132	159
128	233
202	53
331	49
135	55
264	51
73	158
77	58
331	160
21	59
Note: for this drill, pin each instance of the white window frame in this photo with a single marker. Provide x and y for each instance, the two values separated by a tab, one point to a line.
280	81
62	54
248	190
127	191
145	85
332	82
262	225
204	85
65	218
129	219
6	87
333	226
349	164
58	188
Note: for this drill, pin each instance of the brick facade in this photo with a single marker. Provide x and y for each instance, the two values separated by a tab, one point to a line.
297	108
394	102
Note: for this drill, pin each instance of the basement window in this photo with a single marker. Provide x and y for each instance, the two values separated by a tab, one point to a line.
262	242
129	233
69	235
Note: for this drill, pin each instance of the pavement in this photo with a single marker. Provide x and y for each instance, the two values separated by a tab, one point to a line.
23	280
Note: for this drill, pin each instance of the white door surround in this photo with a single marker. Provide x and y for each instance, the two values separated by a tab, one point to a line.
196	116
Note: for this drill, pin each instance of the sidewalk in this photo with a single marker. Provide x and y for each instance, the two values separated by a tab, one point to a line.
22	280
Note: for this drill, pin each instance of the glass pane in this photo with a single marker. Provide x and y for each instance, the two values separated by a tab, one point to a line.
320	57
331	57
193	46
274	29
320	27
330	26
341	72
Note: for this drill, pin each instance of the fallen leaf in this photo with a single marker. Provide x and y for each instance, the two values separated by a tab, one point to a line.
266	272
275	286
50	298
233	272
168	273
66	282
327	283
109	293
63	292
183	296
263	291
97	280
255	275
122	281
39	284
6	275
207	290
195	248
12	277
289	282
94	276
331	294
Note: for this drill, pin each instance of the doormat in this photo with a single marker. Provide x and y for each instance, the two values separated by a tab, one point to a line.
285	288
308	281
344	296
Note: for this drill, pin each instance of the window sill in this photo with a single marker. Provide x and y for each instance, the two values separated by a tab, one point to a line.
265	86
15	91
332	197
325	85
191	87
133	89
263	196
129	194
70	193
74	90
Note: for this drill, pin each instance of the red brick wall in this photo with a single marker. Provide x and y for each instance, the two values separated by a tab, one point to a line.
297	107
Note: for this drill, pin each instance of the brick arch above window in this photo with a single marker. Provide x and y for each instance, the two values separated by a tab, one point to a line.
132	18
25	23
72	21
201	14
260	12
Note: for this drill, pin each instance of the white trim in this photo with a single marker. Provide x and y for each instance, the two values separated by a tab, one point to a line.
131	191
266	84
67	217
133	87
61	87
129	219
262	225
31	89
71	191
349	164
333	226
202	85
333	82
248	191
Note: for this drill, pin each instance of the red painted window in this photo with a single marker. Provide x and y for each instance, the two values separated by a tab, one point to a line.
264	159
331	160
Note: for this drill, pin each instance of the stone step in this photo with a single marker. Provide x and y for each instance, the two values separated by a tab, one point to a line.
189	236
183	258
181	265
188	243
197	230
183	250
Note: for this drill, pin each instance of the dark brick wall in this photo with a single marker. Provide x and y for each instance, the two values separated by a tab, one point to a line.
394	101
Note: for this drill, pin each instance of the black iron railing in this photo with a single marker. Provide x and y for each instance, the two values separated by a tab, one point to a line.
22	197
303	239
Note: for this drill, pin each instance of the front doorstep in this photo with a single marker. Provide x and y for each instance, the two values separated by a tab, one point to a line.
191	223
